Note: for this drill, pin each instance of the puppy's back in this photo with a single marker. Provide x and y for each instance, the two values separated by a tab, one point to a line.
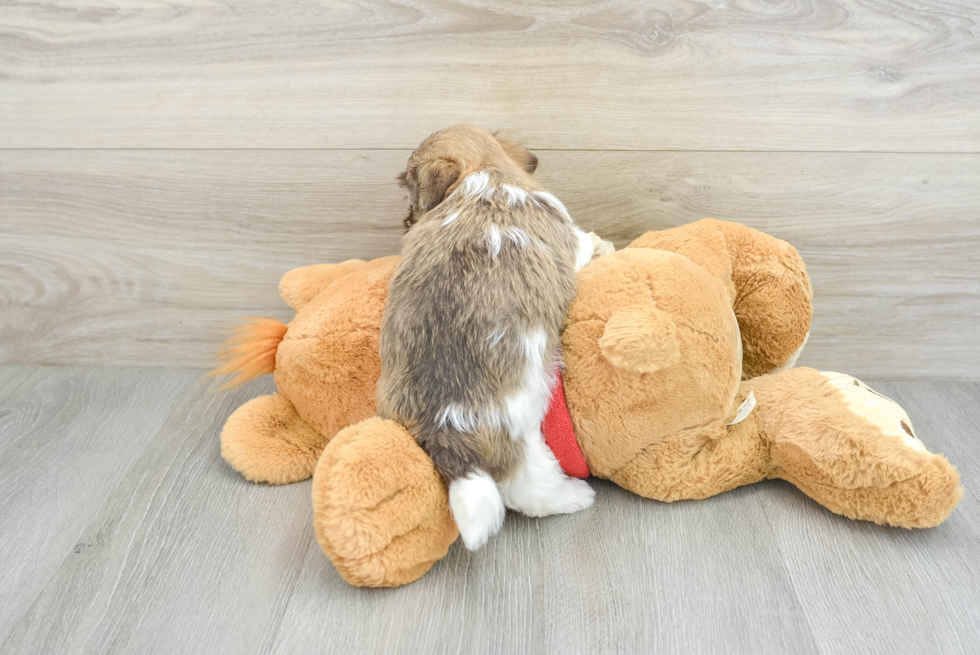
482	290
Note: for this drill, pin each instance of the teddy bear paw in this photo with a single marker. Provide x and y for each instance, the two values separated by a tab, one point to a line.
380	508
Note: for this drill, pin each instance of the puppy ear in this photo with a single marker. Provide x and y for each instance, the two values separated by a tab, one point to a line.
402	179
434	178
521	155
532	162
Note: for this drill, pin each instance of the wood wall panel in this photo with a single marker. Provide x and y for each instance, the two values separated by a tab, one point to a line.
826	75
148	257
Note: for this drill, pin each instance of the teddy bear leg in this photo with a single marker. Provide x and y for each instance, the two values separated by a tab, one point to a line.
380	507
266	441
853	450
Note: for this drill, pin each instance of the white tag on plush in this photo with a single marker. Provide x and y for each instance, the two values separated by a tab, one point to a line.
744	409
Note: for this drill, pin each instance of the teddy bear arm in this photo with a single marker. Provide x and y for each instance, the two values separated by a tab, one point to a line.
852	449
772	298
380	508
698	463
765	278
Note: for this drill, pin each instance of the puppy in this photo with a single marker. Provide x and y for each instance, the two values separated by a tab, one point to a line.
472	324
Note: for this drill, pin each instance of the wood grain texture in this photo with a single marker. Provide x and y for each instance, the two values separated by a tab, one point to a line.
182	555
67	438
825	75
149	257
629	576
857	582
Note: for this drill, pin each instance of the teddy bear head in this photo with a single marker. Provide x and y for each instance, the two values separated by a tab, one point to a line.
651	349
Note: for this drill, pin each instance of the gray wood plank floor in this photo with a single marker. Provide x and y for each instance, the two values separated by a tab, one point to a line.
123	531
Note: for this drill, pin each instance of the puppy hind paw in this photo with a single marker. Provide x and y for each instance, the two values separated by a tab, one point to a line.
576	496
477	508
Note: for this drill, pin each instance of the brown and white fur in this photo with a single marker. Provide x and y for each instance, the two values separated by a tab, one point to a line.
472	324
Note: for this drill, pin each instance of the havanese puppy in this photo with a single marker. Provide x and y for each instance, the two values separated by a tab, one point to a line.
471	327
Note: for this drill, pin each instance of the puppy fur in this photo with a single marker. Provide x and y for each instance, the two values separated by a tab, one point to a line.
472	325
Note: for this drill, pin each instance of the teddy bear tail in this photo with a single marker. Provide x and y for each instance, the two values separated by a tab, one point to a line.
251	351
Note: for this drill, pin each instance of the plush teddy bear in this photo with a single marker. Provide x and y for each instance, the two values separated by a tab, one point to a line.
677	381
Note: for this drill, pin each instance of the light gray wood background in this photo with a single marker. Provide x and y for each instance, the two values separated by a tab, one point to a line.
163	164
125	532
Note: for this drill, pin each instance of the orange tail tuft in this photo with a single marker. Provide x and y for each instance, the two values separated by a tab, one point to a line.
251	351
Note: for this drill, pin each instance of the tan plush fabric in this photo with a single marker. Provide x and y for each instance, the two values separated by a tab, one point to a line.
765	278
328	362
326	366
620	409
380	508
854	465
299	286
267	441
663	342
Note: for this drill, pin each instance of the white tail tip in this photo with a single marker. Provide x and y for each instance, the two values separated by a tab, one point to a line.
477	508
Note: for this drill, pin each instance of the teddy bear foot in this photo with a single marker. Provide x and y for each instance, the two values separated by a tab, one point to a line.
266	441
898	481
380	508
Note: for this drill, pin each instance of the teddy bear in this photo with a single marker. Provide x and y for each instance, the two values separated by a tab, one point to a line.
677	383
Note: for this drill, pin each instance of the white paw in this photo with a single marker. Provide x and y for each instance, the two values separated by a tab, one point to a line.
600	246
561	496
477	508
576	495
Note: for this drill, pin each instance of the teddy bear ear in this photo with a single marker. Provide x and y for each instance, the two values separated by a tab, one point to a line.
640	338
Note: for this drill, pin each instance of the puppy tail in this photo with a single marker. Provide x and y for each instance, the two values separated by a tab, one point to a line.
251	351
474	498
477	507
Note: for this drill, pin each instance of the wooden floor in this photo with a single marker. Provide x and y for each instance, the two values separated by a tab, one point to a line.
123	531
